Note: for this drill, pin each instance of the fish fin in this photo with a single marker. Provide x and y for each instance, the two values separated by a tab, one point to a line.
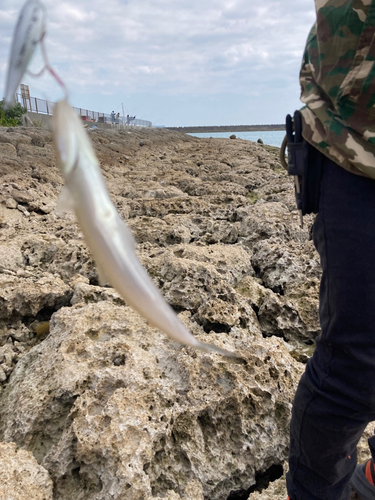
65	203
201	346
102	276
126	235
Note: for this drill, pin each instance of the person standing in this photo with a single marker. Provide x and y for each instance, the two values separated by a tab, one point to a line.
335	399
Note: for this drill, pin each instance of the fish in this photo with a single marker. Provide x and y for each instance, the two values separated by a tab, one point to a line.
107	236
29	31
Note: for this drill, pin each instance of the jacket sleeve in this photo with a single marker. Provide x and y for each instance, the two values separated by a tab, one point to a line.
338	84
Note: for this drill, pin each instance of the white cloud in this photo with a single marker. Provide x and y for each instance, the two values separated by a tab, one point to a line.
173	47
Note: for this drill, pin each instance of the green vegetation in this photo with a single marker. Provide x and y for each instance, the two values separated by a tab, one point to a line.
253	196
11	117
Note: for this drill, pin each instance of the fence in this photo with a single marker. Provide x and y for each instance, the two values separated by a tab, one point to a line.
36	105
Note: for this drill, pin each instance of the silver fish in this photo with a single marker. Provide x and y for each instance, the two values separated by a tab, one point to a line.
28	33
106	234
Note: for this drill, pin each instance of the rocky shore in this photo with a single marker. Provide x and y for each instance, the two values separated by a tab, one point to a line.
97	405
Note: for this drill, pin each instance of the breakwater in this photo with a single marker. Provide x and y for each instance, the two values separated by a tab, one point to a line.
227	128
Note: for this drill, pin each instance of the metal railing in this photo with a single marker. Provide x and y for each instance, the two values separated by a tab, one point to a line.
36	105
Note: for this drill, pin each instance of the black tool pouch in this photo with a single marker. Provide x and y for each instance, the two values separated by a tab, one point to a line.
305	163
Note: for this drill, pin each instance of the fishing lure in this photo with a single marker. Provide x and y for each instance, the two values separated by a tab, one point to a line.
29	31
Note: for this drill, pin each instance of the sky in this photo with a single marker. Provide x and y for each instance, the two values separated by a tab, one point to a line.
173	62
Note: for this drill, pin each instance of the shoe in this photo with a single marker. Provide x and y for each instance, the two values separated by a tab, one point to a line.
363	481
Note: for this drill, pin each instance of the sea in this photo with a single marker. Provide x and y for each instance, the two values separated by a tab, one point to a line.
270	137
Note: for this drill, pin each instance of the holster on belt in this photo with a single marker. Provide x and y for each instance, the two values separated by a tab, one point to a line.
305	164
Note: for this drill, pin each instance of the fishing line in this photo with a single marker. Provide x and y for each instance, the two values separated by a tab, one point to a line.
164	116
50	69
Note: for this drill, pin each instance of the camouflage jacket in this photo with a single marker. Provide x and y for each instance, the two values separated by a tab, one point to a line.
338	84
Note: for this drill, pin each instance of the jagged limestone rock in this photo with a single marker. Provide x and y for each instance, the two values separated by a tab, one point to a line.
217	229
21	476
26	296
275	491
111	408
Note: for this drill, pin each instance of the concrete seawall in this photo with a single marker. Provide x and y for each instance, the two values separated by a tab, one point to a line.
45	121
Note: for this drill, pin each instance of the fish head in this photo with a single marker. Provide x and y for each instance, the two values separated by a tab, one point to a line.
72	145
28	32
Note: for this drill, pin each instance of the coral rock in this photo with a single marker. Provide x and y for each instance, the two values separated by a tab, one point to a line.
21	476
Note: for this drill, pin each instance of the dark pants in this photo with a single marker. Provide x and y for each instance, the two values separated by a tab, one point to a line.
335	399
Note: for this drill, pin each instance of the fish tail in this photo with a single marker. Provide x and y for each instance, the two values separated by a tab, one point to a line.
201	346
